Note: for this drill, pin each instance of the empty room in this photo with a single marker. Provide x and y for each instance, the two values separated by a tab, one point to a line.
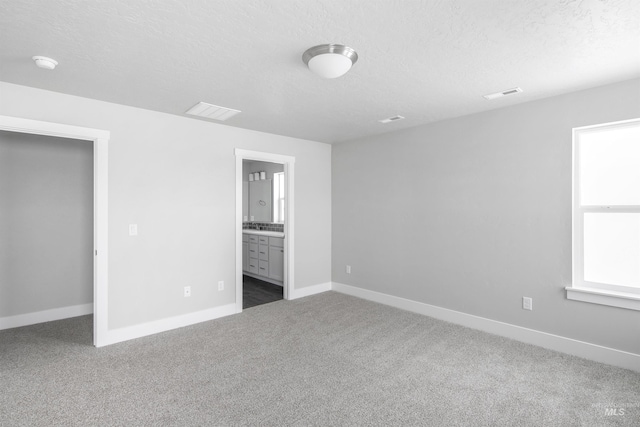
330	213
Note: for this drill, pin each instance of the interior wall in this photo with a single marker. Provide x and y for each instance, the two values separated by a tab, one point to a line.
472	214
46	223
174	177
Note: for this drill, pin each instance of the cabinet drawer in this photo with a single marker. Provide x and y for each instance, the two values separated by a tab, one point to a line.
253	239
263	252
276	241
253	250
254	266
264	268
263	240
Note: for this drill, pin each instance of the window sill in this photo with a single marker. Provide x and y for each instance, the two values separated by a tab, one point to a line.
604	297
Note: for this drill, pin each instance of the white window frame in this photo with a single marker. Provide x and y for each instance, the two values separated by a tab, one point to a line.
581	290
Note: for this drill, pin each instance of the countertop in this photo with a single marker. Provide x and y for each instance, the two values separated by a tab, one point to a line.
264	233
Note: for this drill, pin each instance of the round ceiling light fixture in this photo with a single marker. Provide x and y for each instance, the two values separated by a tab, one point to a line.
330	60
44	62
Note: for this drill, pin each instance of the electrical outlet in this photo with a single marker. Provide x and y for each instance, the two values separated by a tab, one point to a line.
187	291
348	269
133	229
527	303
221	285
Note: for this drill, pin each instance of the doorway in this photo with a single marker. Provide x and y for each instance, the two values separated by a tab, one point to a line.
263	221
99	139
276	245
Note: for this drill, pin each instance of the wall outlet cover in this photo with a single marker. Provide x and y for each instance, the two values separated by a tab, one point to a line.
221	285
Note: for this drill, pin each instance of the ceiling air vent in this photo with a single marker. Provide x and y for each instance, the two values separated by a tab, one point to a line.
210	111
391	119
503	93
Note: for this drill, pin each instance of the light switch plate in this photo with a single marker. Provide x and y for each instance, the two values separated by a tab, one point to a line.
133	229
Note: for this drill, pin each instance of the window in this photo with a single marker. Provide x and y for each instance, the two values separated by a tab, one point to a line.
606	214
278	197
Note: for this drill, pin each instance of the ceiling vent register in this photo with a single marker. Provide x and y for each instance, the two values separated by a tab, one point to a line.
503	93
391	119
210	111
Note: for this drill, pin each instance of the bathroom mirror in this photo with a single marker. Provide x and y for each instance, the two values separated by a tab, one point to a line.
263	192
260	200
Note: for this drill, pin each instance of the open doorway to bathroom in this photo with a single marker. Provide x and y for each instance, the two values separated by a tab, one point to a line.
264	228
263	222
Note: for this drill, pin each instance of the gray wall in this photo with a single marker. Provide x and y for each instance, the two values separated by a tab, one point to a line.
175	177
474	213
46	223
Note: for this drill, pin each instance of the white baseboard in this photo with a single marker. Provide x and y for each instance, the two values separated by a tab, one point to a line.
582	349
144	329
310	290
45	316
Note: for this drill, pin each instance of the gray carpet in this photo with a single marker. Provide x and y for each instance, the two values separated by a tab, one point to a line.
325	360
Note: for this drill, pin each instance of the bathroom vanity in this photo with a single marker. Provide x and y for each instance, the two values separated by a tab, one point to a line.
263	255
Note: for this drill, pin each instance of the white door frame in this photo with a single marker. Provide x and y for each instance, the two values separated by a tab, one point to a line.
288	162
100	140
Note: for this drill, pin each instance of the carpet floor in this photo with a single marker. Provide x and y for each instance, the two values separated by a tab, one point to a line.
324	360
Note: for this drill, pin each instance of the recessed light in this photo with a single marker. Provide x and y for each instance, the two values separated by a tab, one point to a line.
210	111
44	62
391	119
503	93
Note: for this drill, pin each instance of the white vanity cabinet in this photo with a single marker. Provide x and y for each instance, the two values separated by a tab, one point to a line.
264	257
245	251
276	258
253	255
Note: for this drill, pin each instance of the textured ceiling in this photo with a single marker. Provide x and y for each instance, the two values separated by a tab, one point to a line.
425	60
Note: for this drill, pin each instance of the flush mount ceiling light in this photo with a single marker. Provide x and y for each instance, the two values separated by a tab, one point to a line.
44	62
330	60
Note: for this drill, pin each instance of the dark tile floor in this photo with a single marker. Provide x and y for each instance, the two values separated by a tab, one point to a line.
257	292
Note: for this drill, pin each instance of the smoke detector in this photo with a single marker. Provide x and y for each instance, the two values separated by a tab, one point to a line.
44	62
